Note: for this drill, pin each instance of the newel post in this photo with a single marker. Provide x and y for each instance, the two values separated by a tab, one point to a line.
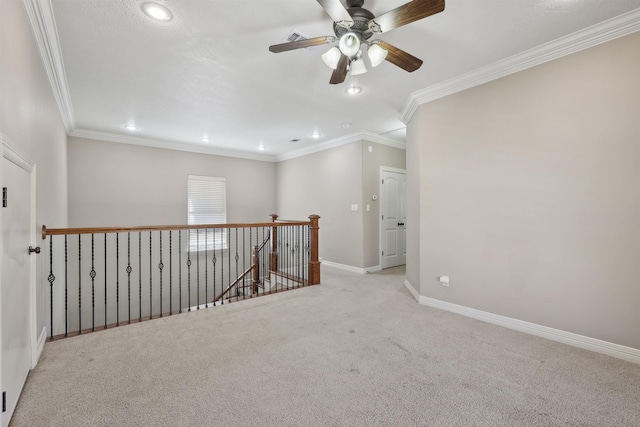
314	262
273	259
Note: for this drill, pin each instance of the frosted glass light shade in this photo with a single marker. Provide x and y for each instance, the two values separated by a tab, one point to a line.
331	57
358	67
349	45
377	54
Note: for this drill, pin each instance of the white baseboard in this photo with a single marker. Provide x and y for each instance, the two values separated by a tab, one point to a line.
593	344
359	270
37	351
412	290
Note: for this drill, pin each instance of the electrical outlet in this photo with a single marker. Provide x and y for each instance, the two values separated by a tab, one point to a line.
444	280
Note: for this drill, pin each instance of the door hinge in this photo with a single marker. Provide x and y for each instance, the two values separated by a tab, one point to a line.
382	216
383	181
4	401
4	197
382	253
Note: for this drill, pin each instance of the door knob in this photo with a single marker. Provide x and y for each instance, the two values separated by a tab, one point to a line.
32	249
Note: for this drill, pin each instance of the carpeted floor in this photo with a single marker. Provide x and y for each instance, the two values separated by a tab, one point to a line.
356	350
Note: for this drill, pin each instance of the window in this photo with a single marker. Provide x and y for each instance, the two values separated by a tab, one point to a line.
206	204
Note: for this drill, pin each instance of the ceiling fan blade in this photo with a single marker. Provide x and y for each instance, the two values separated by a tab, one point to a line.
400	58
316	41
406	14
336	10
340	73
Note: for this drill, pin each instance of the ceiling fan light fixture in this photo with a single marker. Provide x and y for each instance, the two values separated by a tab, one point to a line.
349	45
376	54
331	57
157	11
358	67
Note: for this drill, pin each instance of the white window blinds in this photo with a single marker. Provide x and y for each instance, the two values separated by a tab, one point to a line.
206	204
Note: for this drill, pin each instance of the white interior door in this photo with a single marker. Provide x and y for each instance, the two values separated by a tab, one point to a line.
393	240
15	359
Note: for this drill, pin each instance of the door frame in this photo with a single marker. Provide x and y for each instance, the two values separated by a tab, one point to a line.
10	152
380	200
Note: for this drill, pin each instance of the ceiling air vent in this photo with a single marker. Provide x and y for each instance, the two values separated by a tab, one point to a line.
295	36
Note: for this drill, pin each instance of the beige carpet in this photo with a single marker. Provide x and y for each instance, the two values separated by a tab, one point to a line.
356	350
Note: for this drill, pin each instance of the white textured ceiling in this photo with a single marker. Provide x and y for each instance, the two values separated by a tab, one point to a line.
209	71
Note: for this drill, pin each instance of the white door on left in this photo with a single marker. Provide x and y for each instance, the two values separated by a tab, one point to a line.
15	285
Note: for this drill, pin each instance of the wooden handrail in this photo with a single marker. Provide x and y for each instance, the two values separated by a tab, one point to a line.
247	271
100	230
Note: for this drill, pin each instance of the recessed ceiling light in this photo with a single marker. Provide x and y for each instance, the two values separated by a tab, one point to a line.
156	11
130	126
346	125
315	135
261	148
204	139
353	90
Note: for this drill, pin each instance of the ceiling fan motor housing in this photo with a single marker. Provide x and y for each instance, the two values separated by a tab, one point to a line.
361	18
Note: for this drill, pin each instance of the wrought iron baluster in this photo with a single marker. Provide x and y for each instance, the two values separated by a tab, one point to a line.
198	269
129	269
237	257
160	267
79	283
51	279
189	272
170	274
180	270
229	258
206	268
117	279
223	244
213	261
150	276
92	274
105	280
66	289
140	276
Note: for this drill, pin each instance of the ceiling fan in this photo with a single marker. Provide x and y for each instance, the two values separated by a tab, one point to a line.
354	26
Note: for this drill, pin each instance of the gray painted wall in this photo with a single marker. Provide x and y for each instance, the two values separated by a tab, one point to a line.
529	196
326	183
30	118
114	184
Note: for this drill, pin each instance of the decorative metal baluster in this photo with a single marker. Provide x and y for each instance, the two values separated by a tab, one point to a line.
117	279
206	268
66	289
170	274
160	267
229	260
79	284
249	248
222	245
189	272
140	276
92	274
237	258
244	263
150	276
180	270
51	279
213	261
129	269
105	280
198	269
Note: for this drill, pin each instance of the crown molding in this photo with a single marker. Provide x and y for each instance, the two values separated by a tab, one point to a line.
605	31
348	139
43	26
11	152
168	145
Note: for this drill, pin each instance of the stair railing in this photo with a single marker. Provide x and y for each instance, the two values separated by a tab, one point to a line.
109	276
